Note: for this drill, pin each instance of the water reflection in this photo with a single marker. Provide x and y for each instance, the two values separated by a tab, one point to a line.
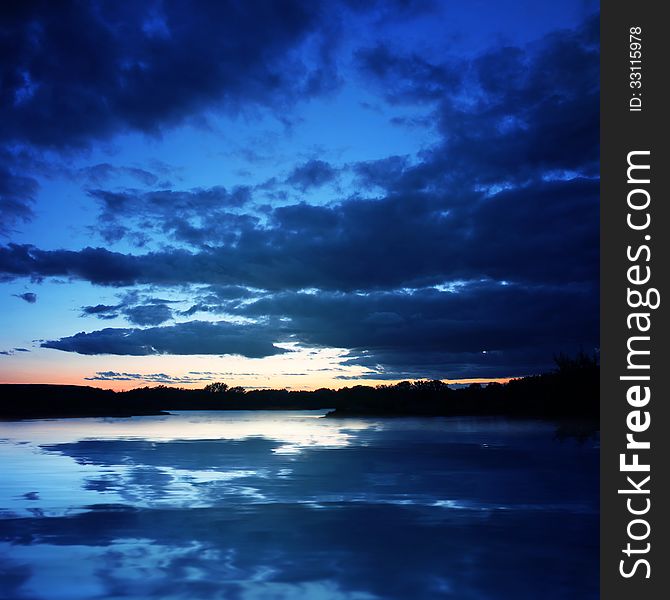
291	505
297	428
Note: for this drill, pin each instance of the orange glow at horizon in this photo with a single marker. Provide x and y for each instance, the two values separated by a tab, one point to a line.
297	369
122	386
307	384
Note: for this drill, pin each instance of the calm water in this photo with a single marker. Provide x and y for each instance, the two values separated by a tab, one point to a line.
290	505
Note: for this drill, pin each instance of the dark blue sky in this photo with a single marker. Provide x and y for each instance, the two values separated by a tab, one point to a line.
296	193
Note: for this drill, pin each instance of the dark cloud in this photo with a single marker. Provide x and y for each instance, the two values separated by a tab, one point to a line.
219	299
102	311
475	205
17	196
524	122
384	173
76	72
160	204
312	174
196	217
481	328
408	78
220	293
202	307
29	297
148	314
137	310
97	265
403	241
195	337
519	114
500	215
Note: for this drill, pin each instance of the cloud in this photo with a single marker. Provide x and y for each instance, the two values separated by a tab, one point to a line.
523	122
477	256
196	217
102	311
194	337
160	204
312	174
13	351
219	299
17	196
404	241
136	309
384	173
520	112
148	314
482	328
153	377
407	78
97	265
186	61
511	159
29	297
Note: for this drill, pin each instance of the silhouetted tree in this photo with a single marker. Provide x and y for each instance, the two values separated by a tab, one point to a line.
216	388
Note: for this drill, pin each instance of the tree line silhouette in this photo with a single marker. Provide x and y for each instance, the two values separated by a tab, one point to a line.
570	390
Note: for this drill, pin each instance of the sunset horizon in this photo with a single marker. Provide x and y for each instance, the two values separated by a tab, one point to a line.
361	199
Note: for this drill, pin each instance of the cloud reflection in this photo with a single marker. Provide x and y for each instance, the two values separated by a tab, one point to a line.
219	506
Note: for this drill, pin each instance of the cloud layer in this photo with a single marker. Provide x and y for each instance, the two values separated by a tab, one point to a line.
478	255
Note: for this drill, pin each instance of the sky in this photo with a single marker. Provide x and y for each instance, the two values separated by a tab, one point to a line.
296	194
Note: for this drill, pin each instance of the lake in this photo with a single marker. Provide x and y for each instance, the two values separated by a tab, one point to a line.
260	505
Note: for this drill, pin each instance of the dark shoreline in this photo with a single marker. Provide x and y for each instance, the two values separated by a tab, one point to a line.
569	392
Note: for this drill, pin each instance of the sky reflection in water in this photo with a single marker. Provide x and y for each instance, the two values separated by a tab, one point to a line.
260	505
